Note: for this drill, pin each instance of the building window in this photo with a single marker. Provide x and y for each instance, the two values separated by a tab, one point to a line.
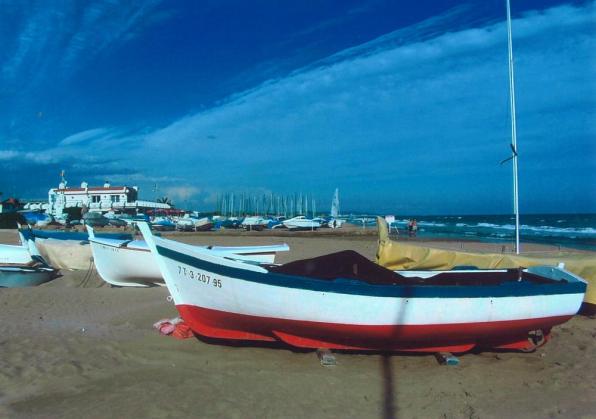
115	198
95	199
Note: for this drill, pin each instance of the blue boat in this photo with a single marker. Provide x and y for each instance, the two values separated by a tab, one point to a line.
36	217
18	276
32	234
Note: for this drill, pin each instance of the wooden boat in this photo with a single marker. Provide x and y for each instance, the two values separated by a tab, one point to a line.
14	254
64	249
22	266
345	301
129	263
27	275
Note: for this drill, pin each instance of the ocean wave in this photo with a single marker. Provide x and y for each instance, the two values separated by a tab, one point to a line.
542	230
488	228
487	225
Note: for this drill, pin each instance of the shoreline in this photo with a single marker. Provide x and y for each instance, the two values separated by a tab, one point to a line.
349	232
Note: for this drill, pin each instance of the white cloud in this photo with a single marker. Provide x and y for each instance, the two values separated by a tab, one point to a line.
8	154
63	37
389	117
88	135
181	192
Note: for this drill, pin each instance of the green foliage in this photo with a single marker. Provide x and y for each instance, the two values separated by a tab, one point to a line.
10	219
74	213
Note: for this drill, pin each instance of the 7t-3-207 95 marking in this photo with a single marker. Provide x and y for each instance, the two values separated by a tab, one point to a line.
199	276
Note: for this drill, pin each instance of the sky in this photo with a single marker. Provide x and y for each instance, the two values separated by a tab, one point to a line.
403	106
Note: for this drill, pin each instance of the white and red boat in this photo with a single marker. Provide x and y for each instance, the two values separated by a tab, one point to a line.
129	263
345	301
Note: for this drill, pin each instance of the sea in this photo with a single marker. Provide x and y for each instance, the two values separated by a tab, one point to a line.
567	230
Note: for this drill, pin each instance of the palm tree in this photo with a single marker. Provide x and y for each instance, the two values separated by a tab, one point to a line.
165	200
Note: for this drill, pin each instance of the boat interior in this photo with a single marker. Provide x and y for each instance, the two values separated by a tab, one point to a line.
349	264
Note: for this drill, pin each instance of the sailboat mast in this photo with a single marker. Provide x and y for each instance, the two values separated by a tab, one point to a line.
513	128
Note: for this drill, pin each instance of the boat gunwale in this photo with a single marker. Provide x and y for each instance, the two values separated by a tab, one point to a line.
357	287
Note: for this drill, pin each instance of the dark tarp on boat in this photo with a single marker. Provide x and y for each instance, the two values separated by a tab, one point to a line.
349	264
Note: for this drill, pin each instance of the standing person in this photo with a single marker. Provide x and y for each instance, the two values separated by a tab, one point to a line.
414	227
410	228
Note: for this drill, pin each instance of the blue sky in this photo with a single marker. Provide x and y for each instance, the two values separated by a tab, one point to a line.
402	106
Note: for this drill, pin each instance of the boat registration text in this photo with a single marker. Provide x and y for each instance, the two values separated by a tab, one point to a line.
204	278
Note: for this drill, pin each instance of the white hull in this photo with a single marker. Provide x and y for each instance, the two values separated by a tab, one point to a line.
10	254
263	300
131	264
226	298
301	223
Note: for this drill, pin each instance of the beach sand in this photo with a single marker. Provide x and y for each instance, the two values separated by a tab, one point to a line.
75	348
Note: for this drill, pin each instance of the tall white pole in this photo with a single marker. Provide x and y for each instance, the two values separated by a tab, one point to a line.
513	129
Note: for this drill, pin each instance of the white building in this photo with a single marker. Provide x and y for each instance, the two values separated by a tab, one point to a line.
98	199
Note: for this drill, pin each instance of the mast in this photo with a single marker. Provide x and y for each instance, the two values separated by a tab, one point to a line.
513	128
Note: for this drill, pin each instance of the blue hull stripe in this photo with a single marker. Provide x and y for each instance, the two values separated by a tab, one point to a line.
349	286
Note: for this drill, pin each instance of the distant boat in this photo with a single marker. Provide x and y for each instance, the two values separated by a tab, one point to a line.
37	218
126	263
163	224
189	223
335	204
301	223
95	219
345	301
255	223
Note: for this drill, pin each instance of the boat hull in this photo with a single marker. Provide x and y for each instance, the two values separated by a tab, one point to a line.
14	254
25	277
131	264
125	266
223	299
461	337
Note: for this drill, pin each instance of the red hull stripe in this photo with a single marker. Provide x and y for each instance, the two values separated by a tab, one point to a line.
308	334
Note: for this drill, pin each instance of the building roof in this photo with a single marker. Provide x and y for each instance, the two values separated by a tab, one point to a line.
92	189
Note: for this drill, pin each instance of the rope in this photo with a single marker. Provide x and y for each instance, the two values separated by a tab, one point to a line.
88	274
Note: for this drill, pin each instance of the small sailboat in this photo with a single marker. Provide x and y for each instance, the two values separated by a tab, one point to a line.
345	301
129	263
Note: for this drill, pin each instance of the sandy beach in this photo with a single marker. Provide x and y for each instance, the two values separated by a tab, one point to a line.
76	348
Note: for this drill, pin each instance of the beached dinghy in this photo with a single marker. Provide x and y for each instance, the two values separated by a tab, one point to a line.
66	250
13	254
28	275
129	263
345	301
22	266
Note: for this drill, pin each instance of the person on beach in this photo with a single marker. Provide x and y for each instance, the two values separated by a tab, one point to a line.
410	228
414	227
